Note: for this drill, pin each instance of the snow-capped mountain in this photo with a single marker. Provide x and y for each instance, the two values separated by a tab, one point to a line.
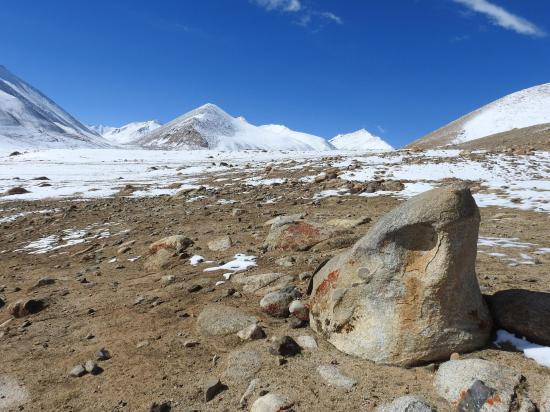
209	127
29	119
127	134
528	107
360	140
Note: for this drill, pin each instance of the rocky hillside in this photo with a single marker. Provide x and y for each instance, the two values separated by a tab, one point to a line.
518	110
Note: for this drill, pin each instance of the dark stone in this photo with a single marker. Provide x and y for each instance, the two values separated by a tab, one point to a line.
194	288
523	312
16	191
475	397
161	407
284	346
212	387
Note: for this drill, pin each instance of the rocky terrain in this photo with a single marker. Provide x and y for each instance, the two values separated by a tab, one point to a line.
185	285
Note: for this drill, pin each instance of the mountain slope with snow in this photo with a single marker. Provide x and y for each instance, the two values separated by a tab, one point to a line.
29	119
528	107
360	140
127	134
209	127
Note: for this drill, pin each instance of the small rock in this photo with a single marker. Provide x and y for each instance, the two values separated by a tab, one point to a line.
22	308
299	310
44	282
408	403
102	355
284	346
190	343
241	366
271	402
168	279
212	387
286	261
77	371
91	367
221	243
251	332
248	392
295	323
334	377
194	288
237	212
161	407
307	342
454	356
276	303
16	191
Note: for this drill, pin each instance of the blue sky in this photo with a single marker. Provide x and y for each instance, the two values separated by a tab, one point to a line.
399	68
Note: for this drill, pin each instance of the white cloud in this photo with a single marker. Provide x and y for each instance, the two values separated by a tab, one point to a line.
283	5
503	18
332	16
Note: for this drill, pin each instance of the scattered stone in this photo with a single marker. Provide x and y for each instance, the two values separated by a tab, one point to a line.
299	310
284	346
241	366
21	308
413	279
16	191
263	283
237	212
473	383
276	304
271	402
284	220
523	312
44	282
332	376
77	371
142	344
243	402
168	279
454	356
251	332
286	261
305	276
92	367
162	251
296	236
409	403
216	320
213	387
219	244
161	407
190	343
307	342
194	288
295	323
103	355
16	153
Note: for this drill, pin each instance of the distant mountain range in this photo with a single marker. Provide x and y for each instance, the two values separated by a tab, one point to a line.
29	119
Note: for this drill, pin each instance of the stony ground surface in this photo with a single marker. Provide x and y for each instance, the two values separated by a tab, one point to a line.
100	296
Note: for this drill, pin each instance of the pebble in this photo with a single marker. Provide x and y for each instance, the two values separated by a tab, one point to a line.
194	288
161	407
284	346
190	343
212	387
271	402
334	377
103	355
77	371
251	332
91	367
307	342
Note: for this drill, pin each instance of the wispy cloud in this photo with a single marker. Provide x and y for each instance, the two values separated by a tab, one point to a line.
303	15
282	5
503	18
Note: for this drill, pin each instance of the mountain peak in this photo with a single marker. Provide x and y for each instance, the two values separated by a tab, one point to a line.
361	139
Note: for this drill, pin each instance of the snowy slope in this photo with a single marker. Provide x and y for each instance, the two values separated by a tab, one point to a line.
209	127
359	140
28	119
126	134
522	109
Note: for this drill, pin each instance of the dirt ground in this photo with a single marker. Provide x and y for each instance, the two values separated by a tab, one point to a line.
96	302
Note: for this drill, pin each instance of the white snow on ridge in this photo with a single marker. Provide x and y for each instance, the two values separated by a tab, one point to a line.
209	127
525	108
28	119
360	140
126	134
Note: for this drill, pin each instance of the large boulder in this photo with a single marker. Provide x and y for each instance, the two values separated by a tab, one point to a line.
480	385
407	292
523	312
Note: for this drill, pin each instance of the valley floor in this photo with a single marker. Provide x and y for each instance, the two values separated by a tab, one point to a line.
81	205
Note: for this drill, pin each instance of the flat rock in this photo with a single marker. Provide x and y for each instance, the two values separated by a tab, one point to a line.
241	366
220	243
284	220
407	403
490	386
407	292
333	377
218	320
271	402
212	387
263	283
523	312
77	371
12	394
251	332
307	342
296	236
